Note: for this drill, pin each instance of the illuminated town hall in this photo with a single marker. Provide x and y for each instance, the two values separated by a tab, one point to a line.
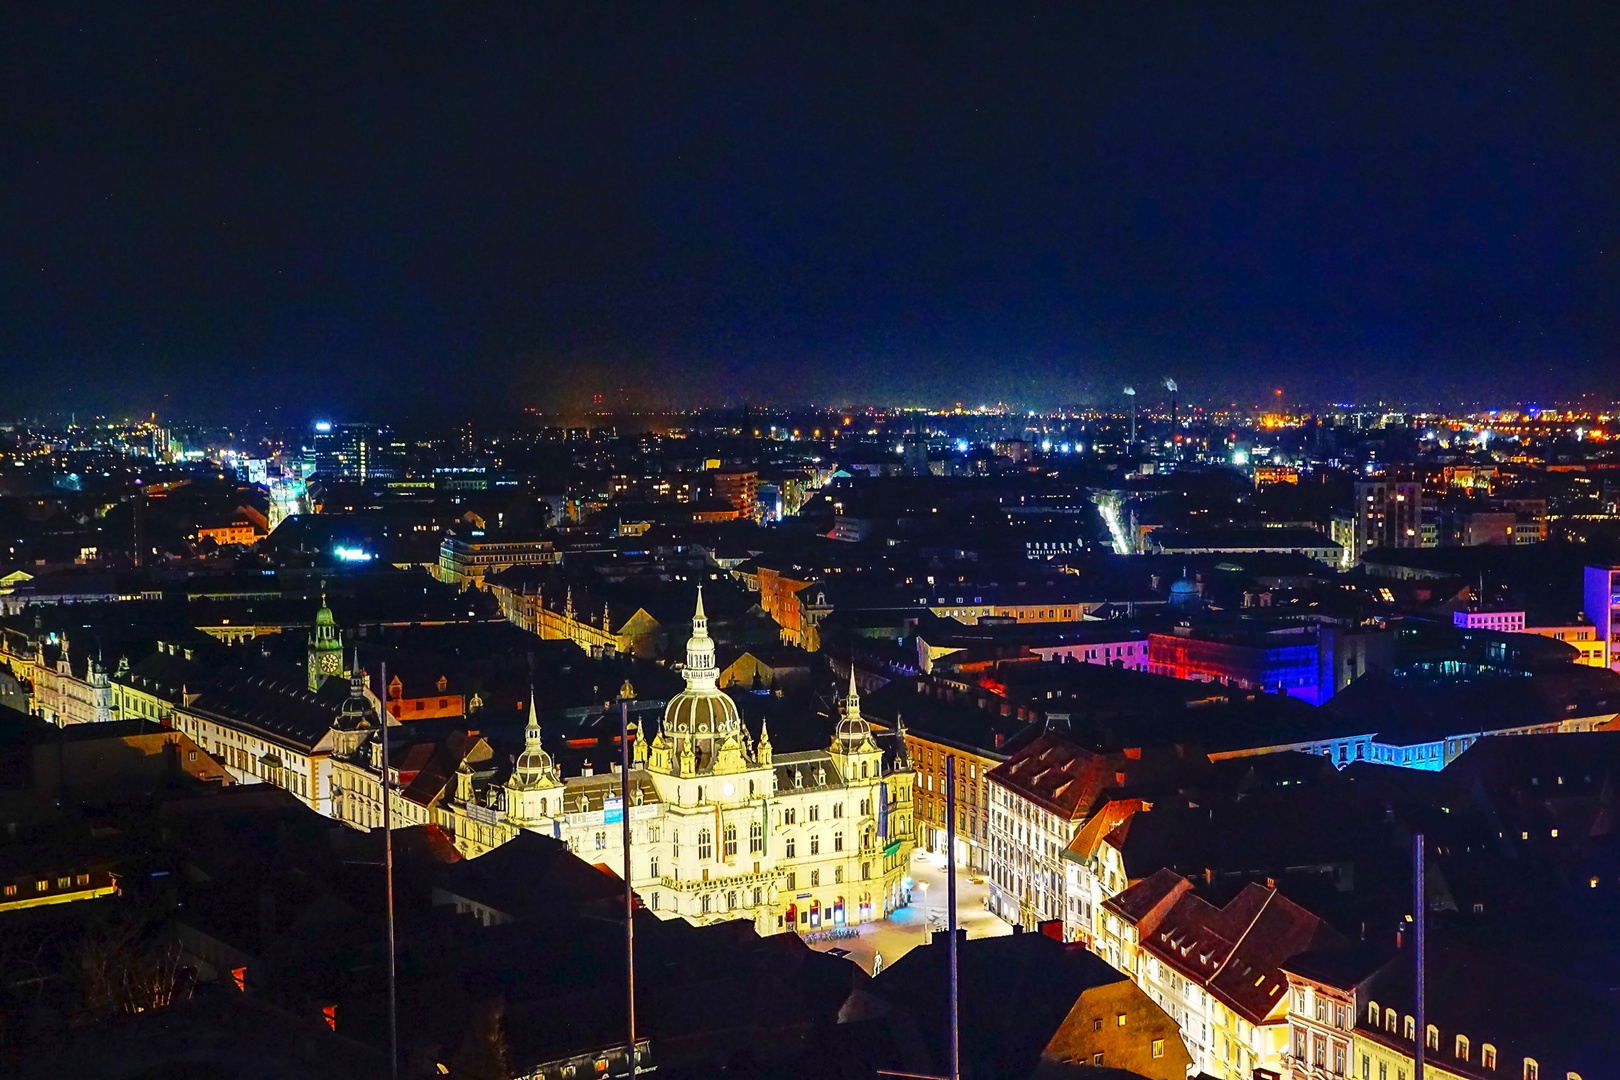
722	827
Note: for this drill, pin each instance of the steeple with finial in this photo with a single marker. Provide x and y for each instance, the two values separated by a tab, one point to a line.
854	734
534	768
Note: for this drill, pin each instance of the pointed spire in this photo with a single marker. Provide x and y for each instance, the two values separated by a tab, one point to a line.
531	731
700	670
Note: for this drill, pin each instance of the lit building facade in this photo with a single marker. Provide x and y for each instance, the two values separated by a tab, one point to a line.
64	695
722	828
929	756
1389	514
1508	622
466	560
1602	598
1583	637
1215	970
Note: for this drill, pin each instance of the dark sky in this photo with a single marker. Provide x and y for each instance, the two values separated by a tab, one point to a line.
352	208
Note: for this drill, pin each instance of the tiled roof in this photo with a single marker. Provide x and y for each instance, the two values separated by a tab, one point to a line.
1236	951
274	699
1057	775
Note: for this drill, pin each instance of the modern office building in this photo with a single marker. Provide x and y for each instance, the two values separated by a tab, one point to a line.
1602	598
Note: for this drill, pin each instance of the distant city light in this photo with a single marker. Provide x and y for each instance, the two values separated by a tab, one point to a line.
351	554
1240	457
323	426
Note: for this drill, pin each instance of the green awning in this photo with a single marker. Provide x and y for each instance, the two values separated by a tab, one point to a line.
894	846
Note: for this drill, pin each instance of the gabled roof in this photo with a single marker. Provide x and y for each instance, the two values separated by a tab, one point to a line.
1236	952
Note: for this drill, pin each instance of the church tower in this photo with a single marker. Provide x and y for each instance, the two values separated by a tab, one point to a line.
325	656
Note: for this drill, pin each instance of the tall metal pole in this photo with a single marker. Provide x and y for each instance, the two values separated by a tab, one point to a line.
388	875
954	1070
629	903
1418	905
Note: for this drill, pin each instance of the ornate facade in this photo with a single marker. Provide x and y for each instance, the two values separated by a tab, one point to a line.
722	827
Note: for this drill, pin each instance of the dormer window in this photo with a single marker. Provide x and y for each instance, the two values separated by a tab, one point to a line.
1532	1071
1409	1029
1487	1056
1389	1021
1461	1049
1373	1013
1431	1037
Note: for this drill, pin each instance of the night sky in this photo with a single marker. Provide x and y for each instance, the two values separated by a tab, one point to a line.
352	208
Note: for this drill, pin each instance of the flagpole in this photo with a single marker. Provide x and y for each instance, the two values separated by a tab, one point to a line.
625	695
955	1067
388	875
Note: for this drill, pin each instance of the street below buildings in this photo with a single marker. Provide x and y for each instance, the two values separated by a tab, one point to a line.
911	926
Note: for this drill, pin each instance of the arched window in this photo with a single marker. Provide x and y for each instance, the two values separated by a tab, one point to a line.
731	840
1487	1056
700	793
1389	1021
1410	1028
705	844
790	816
789	847
1532	1071
756	838
1373	1013
863	770
838	841
815	845
1461	1049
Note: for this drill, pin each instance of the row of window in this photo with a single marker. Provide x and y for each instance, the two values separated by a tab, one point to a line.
1461	1048
66	881
790	815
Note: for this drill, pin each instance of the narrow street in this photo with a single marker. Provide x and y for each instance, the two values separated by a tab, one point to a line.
911	926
